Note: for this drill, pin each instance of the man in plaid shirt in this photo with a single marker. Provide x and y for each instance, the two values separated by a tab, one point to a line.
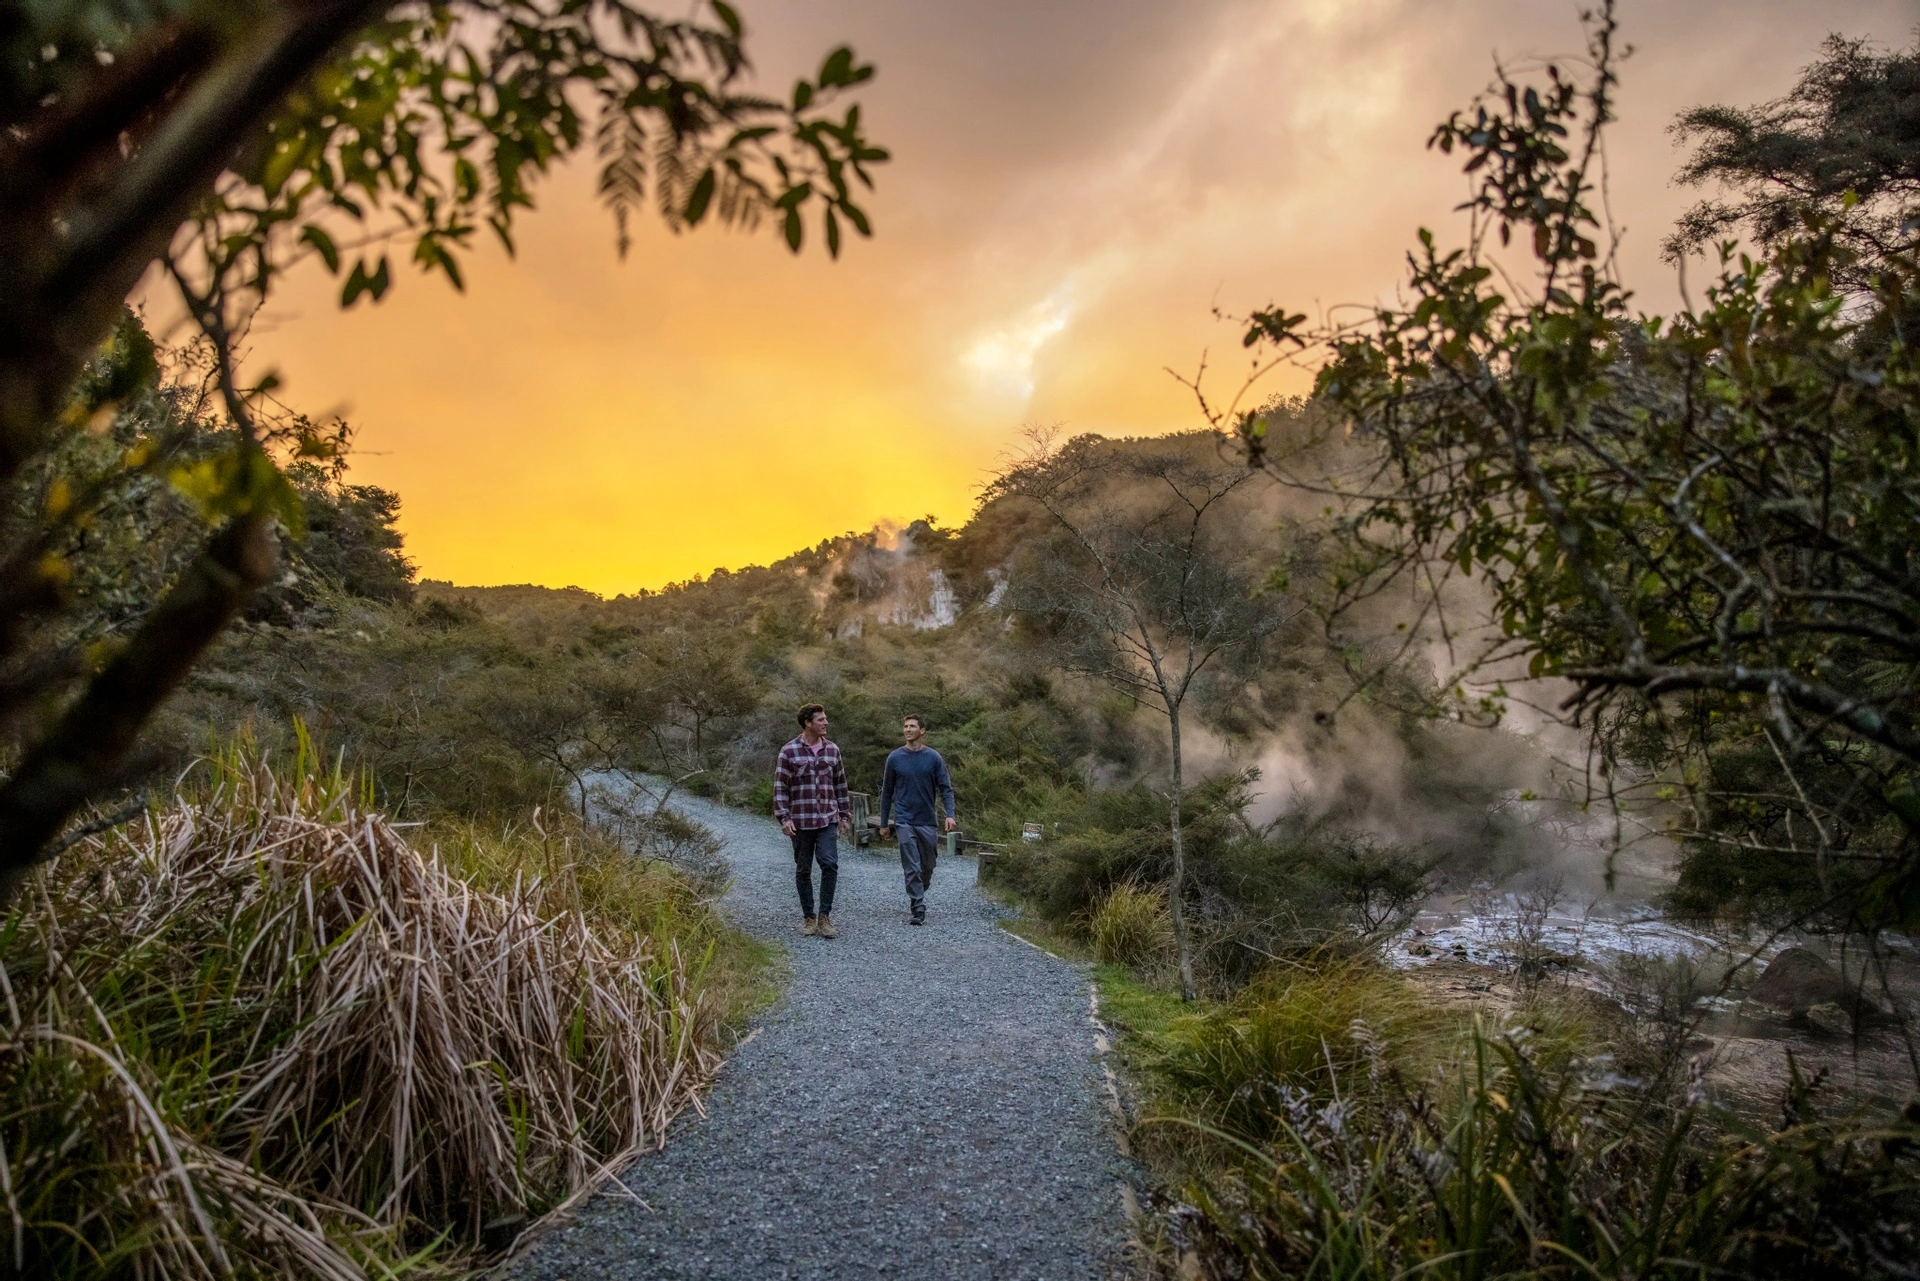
810	800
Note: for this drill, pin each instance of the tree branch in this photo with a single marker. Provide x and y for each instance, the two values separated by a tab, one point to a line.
91	742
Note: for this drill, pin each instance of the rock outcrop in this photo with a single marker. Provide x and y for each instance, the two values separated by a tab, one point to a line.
1801	987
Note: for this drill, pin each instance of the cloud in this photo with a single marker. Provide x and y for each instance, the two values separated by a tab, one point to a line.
1001	359
1075	189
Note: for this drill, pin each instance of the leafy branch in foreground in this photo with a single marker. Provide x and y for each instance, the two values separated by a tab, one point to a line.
227	141
1705	527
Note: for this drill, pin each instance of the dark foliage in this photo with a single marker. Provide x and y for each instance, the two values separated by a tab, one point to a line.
1254	895
1705	525
1843	146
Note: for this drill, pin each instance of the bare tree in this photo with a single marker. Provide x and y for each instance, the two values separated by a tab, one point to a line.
1139	588
554	722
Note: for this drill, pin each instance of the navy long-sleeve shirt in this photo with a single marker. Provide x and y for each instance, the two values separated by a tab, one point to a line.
907	792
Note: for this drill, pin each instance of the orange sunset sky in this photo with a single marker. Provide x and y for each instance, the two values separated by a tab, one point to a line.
1075	187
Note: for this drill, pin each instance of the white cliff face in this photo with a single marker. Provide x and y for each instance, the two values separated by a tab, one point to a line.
943	606
923	601
887	582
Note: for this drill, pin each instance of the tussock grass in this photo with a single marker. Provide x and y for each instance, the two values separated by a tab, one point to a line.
260	1033
1298	1031
1132	925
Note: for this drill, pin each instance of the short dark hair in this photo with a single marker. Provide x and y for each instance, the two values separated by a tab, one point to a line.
916	718
808	711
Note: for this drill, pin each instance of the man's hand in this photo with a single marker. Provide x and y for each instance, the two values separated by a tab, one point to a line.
786	825
846	827
886	831
952	823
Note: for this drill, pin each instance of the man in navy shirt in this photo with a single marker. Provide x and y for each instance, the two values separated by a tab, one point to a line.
914	787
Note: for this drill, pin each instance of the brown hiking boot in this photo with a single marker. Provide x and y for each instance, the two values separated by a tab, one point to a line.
826	927
810	926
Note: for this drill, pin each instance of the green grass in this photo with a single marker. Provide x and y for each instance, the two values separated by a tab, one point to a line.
1148	1017
1132	925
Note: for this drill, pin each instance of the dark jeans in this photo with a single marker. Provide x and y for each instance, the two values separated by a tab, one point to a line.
919	850
810	846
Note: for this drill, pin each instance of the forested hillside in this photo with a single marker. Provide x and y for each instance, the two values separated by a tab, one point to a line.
497	699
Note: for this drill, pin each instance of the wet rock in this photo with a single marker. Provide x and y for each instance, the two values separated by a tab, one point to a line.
1829	1018
1797	980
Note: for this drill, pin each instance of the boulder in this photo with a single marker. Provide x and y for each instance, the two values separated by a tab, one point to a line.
1797	980
1829	1018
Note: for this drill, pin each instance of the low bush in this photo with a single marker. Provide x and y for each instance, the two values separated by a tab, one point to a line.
261	1033
1255	895
1099	840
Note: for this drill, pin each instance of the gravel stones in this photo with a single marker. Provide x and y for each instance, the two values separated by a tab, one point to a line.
922	1102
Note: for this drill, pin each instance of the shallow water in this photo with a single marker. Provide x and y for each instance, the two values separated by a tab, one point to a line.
1494	931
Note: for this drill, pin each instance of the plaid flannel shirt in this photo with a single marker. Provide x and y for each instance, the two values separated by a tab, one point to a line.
810	786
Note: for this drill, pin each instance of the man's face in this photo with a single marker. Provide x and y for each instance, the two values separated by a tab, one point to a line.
818	725
911	730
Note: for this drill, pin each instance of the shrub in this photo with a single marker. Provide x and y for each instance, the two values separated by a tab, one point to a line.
1381	885
1254	895
260	1032
1132	926
1105	838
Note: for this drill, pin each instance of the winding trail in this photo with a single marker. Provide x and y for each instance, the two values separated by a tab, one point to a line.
921	1102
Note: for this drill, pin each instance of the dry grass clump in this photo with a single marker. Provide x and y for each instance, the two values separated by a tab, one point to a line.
260	1034
1132	925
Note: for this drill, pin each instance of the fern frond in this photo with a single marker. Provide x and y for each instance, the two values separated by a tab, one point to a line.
621	141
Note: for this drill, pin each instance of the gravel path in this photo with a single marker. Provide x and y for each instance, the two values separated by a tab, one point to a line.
922	1102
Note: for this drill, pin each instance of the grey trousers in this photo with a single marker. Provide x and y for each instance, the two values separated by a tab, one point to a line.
919	849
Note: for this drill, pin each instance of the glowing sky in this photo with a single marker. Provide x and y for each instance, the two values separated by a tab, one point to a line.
1075	187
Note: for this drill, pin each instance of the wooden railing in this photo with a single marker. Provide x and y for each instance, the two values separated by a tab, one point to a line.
866	832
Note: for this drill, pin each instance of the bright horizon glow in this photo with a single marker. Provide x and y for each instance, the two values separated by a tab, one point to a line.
1074	191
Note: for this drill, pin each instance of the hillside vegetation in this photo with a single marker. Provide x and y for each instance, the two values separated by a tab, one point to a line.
478	699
